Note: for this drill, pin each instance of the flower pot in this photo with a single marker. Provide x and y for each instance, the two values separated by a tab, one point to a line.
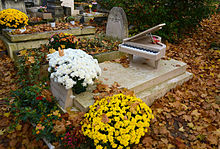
53	24
72	22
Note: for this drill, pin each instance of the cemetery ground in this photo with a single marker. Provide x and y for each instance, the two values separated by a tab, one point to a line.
186	117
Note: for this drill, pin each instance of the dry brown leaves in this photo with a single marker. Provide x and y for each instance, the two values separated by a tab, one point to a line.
45	27
103	90
7	76
188	116
22	137
124	61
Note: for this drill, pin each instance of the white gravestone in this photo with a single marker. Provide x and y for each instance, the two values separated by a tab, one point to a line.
70	3
62	95
117	25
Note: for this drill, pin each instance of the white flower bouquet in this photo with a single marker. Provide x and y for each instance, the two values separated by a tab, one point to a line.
75	69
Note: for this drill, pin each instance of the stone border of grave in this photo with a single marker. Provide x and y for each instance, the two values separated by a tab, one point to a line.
45	35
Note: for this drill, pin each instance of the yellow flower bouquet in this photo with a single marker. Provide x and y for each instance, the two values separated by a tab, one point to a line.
117	122
13	18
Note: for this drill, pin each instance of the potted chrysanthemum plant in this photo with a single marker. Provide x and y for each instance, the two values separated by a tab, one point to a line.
73	68
12	19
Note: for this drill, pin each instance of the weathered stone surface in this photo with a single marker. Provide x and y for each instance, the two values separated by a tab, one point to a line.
11	47
117	25
156	84
151	94
140	76
0	5
45	35
54	6
19	5
88	30
108	56
83	100
38	2
61	94
37	36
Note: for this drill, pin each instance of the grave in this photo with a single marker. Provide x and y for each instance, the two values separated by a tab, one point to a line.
117	25
54	6
148	83
15	4
18	42
70	4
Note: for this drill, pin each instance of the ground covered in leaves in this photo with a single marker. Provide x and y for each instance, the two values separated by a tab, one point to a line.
186	117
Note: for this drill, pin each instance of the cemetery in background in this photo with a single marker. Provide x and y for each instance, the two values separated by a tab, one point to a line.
87	72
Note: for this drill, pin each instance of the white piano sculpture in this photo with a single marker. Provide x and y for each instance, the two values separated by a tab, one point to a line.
145	45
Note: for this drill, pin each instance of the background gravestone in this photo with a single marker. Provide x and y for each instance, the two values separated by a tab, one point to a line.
0	5
117	25
54	6
19	5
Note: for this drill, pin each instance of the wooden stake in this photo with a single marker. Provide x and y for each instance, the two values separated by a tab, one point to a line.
61	52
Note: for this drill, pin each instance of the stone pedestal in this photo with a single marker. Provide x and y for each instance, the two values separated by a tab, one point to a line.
54	6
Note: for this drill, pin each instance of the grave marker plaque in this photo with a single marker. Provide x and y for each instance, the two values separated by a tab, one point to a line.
117	25
62	95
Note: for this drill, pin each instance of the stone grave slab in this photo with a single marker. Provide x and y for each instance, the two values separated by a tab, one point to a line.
61	94
117	25
139	75
149	95
149	84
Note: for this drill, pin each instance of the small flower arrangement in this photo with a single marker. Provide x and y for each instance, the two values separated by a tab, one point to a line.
62	40
13	18
117	122
73	138
75	69
42	9
70	18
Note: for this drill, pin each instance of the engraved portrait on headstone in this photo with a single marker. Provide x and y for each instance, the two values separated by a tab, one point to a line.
117	25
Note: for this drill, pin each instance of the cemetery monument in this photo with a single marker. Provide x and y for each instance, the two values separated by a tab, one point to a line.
117	25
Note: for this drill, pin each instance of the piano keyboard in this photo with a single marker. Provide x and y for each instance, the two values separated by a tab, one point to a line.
138	49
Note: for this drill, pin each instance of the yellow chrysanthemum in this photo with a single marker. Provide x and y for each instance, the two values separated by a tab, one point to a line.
13	18
119	121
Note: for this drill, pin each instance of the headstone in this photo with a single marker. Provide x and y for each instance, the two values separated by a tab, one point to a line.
37	2
70	4
54	6
15	4
61	94
0	5
117	25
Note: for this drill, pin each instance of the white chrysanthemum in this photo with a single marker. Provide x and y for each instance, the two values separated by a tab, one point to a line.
74	63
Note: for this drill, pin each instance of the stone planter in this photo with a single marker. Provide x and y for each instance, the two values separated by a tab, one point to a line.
62	95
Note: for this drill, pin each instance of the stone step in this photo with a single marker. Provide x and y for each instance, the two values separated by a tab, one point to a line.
139	76
83	100
151	94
